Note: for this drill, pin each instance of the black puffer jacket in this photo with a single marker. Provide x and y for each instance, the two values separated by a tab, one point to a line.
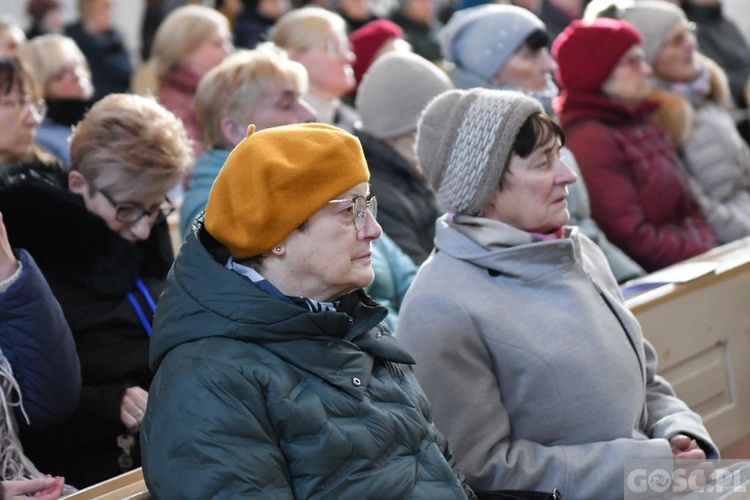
97	277
407	210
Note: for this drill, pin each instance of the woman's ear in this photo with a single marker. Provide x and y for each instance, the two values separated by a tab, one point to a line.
231	131
77	183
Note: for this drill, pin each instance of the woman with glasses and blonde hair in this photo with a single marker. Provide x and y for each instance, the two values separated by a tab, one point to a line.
62	73
189	42
286	381
21	112
260	87
99	236
317	38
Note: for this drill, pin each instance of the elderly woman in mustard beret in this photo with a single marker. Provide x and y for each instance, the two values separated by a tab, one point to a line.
285	381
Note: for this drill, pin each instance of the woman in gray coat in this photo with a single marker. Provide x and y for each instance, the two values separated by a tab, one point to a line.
538	373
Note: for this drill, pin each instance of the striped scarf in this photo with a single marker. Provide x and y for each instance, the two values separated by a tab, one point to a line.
258	280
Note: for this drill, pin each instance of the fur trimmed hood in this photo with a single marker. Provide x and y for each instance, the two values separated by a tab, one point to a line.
67	241
676	114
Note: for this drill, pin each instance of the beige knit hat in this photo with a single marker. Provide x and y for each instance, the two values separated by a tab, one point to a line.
654	19
464	140
395	90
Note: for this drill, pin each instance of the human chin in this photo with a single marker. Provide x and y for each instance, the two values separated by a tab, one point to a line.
363	274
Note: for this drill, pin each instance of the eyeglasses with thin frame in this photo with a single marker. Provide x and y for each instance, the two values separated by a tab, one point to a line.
335	48
360	207
18	104
687	34
130	213
634	60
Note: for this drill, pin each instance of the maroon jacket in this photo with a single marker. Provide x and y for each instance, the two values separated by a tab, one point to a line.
639	195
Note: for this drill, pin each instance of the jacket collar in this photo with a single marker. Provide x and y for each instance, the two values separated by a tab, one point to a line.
204	299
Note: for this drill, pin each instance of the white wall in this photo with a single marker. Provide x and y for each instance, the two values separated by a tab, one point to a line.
128	14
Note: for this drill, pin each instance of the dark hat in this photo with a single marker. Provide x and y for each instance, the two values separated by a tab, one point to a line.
37	9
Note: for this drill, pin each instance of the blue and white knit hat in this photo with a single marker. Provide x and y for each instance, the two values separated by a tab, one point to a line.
464	141
480	40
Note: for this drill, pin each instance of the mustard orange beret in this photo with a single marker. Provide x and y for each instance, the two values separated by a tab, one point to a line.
276	179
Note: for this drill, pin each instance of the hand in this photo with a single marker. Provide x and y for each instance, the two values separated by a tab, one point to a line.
689	456
132	408
8	262
44	488
686	448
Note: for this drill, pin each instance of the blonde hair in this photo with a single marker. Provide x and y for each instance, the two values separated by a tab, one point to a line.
237	84
47	55
300	29
181	32
133	142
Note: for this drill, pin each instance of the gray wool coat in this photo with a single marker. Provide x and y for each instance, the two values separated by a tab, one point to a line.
538	373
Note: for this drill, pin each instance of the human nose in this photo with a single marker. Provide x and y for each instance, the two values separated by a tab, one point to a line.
647	69
371	230
30	116
227	47
548	62
349	55
142	227
305	112
567	174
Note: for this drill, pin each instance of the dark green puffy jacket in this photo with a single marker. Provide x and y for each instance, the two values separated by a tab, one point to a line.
258	398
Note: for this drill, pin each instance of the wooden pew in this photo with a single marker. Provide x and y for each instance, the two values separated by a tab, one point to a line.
128	486
701	331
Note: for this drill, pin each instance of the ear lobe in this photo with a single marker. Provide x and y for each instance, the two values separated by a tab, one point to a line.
77	182
232	131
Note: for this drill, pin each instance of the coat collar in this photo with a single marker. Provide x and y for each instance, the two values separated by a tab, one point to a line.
204	299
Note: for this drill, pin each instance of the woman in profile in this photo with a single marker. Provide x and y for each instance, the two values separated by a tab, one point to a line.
538	372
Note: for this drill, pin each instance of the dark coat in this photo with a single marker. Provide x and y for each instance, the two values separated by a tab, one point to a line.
407	209
36	341
108	58
95	276
275	401
424	39
251	28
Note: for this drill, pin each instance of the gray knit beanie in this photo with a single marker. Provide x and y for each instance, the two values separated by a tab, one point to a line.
479	40
464	140
395	90
653	19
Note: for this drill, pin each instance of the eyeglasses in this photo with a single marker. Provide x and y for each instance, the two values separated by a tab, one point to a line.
683	36
360	207
130	213
335	48
18	104
635	60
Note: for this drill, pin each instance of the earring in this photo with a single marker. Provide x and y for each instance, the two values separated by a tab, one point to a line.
277	249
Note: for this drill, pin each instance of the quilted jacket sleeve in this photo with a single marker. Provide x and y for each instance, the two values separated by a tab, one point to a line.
620	206
206	434
36	340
